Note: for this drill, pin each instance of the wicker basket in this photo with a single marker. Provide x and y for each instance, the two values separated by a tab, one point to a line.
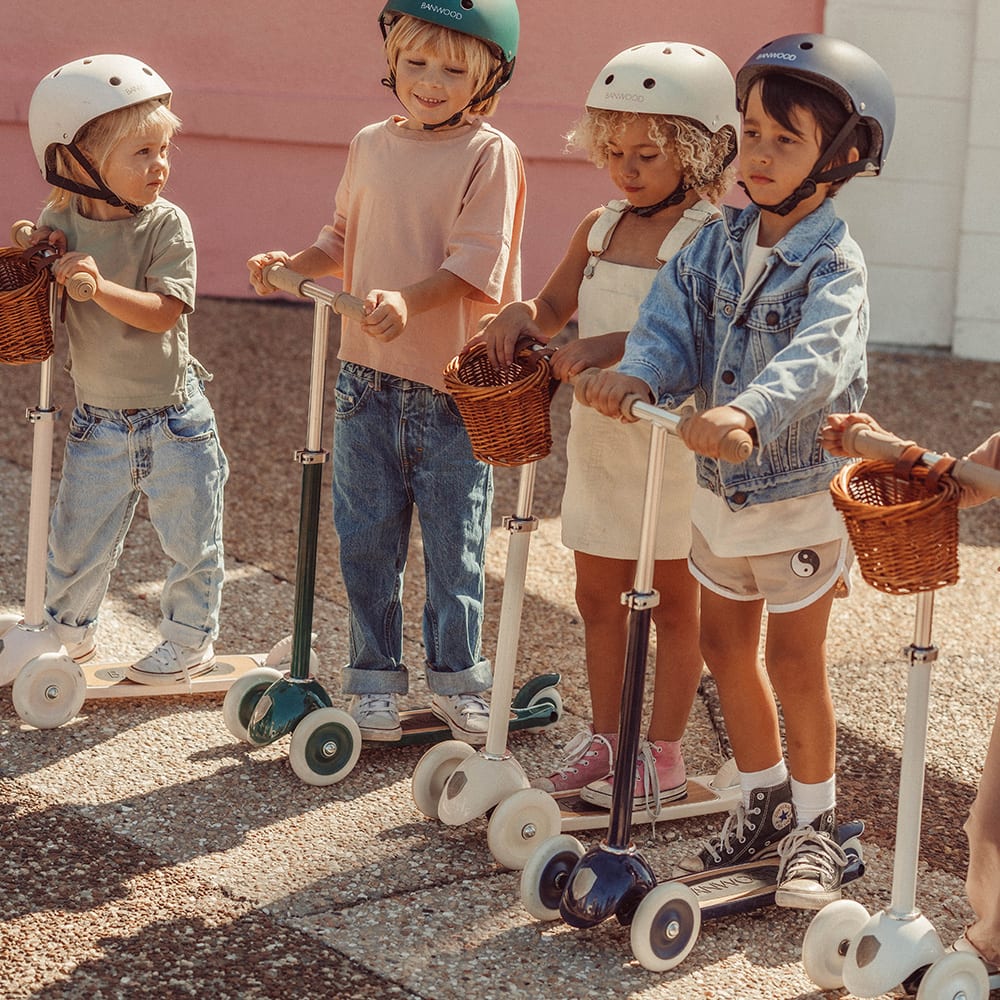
905	535
506	412
25	324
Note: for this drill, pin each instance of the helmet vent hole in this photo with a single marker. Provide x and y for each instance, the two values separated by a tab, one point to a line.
468	4
609	79
147	71
115	81
698	52
805	46
87	62
649	83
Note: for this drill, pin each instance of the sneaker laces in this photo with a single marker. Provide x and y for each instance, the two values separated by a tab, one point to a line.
574	753
471	704
807	853
375	704
646	766
735	827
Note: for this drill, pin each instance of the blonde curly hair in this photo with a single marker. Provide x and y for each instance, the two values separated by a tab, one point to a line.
701	153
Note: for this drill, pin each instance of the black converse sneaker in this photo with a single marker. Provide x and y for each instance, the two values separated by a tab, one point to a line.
748	833
812	865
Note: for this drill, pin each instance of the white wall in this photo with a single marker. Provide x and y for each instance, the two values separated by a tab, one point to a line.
929	226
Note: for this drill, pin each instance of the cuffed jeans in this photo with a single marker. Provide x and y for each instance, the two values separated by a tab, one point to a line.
172	456
400	445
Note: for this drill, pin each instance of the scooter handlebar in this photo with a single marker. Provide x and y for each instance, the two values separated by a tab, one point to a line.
863	442
80	286
283	278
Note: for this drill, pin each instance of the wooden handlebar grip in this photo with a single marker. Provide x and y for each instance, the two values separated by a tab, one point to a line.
81	286
350	306
863	442
282	277
20	233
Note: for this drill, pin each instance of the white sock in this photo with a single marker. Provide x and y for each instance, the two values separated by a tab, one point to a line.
749	780
812	800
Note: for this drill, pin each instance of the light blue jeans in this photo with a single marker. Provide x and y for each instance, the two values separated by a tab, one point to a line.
400	445
173	457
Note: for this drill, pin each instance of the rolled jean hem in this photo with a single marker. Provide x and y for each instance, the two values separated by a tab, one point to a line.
391	680
472	680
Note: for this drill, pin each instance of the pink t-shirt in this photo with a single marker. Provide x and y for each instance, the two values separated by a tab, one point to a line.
412	202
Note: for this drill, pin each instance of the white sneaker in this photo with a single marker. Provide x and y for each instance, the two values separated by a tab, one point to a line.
468	715
79	641
170	662
376	716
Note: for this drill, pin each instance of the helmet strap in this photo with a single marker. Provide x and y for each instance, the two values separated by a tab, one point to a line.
675	197
100	192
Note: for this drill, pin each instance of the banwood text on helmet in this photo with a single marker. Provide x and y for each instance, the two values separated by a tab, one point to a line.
848	73
670	78
74	95
495	22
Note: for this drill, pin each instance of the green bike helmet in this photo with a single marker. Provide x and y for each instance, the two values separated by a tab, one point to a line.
495	22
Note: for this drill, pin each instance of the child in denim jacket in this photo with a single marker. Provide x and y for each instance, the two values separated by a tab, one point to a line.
764	318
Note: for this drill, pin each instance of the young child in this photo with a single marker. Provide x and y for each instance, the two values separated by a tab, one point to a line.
427	228
764	317
101	129
982	883
671	161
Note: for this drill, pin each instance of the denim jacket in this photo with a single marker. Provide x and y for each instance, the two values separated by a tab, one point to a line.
787	351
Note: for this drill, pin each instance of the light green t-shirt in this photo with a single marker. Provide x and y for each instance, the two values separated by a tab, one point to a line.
112	364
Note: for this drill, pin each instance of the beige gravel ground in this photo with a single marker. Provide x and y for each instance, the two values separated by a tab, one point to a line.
145	853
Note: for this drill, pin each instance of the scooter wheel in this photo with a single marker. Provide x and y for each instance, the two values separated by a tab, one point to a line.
549	694
242	697
546	873
49	691
519	824
433	771
960	975
665	927
325	746
827	940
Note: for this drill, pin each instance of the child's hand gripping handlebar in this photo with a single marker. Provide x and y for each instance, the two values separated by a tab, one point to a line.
286	280
862	441
79	287
735	447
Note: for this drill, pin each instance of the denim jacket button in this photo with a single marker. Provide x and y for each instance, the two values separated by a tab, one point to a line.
740	498
771	319
728	377
728	309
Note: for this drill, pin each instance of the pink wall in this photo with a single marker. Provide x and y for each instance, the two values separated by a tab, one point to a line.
271	94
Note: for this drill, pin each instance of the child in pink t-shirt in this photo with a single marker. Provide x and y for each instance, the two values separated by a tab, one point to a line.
427	229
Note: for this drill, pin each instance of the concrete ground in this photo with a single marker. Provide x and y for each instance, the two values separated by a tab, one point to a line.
146	853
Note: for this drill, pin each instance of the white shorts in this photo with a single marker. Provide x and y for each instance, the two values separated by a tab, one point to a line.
786	581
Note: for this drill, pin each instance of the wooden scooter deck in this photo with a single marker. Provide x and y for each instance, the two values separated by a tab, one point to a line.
108	680
702	798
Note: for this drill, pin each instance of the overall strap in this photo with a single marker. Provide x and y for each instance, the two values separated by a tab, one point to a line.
685	229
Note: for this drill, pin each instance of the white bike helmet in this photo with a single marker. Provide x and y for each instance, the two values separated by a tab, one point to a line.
669	78
74	95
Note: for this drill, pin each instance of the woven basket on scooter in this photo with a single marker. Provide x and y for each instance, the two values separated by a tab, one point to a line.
905	536
505	412
25	324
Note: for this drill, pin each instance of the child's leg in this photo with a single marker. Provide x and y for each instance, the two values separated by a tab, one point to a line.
372	513
600	583
983	877
730	635
678	650
93	511
454	494
796	664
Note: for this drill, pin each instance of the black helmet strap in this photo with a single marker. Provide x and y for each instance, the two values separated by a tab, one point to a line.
101	192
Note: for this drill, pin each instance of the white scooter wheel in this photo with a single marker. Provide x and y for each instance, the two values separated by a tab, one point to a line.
242	697
960	975
827	940
49	691
433	771
519	824
325	746
665	927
